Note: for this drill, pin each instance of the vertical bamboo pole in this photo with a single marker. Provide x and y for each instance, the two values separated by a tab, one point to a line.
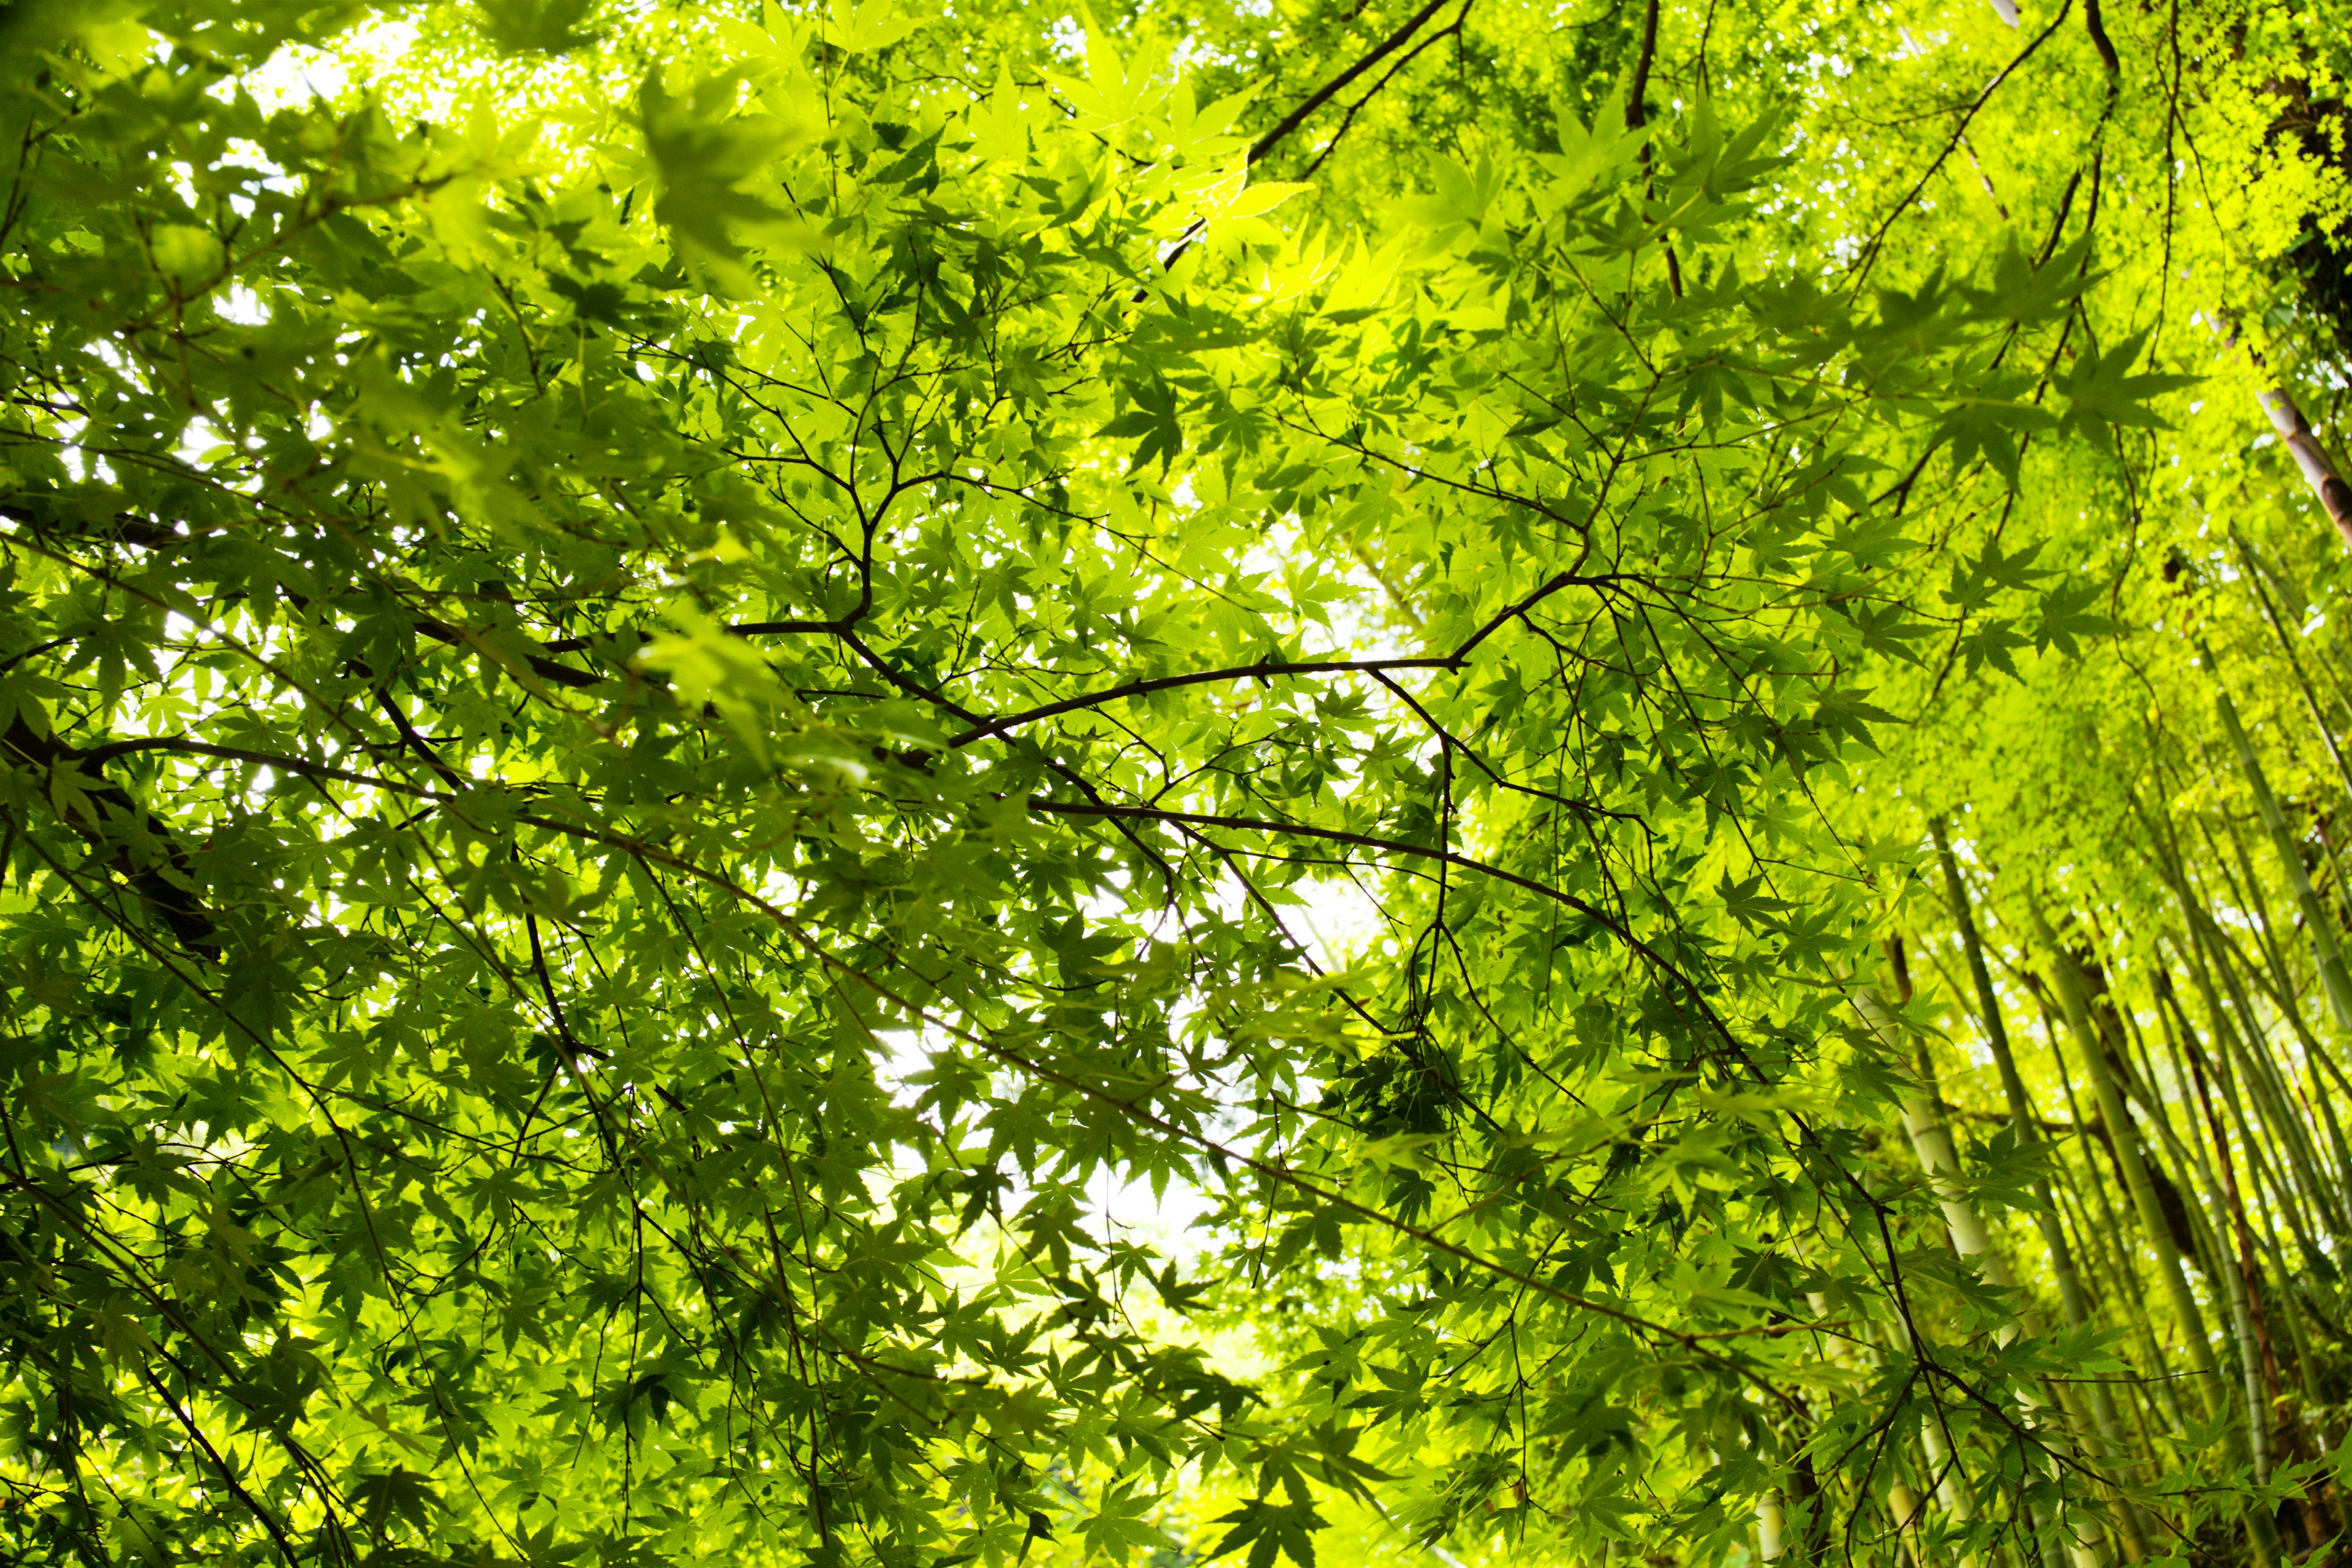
2263	1088
2249	1268
1933	1146
2106	1243
2221	1170
2247	1276
2233	1276
2298	605
1931	1140
2104	1089
2107	1086
2318	929
2228	1049
2311	458
2138	1086
2245	886
2260	1364
2293	662
2152	1392
2283	994
2071	1300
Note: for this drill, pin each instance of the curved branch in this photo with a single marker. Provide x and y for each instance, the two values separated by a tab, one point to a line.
1592	912
983	729
1869	256
1262	668
1330	89
1563	579
166	889
1451	30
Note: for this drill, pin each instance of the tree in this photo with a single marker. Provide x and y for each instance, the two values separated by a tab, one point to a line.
657	709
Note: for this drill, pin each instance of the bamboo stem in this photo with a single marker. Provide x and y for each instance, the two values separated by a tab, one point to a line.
2295	664
2228	1049
2072	1302
2318	929
2263	1088
2311	458
2115	1265
2108	1092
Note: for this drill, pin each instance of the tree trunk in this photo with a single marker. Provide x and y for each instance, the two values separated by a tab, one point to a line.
2318	470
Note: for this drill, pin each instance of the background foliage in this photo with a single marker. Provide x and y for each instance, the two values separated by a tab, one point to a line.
687	691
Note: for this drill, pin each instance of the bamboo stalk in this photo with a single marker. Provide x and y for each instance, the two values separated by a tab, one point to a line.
1996	1034
2116	1266
2076	1306
2286	998
2263	1088
2332	662
2295	664
2138	1086
2249	1265
2153	1391
2318	929
2332	896
2315	1057
2234	1276
2232	1195
2222	1168
1931	1140
2228	1051
2108	1092
2246	889
2311	458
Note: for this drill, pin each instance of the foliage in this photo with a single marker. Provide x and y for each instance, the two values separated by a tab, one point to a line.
674	680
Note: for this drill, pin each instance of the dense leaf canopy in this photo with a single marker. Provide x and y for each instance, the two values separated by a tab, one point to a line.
925	785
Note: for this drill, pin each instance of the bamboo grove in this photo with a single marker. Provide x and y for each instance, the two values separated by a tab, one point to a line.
916	785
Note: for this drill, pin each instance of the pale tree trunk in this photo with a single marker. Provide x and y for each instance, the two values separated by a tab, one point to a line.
2318	469
2301	442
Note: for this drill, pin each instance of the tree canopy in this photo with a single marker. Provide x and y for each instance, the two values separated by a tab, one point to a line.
918	785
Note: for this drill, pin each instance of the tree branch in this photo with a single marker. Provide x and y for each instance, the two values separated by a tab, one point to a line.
1869	256
1396	846
1324	94
167	893
1263	669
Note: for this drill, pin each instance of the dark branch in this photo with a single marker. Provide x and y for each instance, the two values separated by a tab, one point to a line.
1637	112
1451	30
164	883
1869	256
1324	94
1396	847
1263	669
